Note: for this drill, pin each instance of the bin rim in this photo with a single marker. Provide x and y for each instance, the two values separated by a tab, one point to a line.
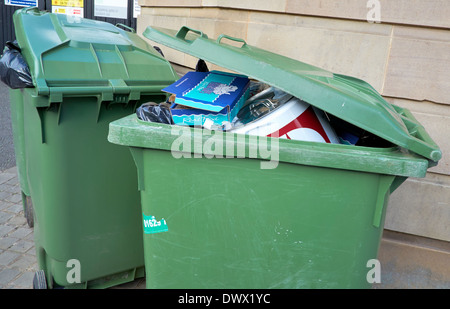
133	132
345	97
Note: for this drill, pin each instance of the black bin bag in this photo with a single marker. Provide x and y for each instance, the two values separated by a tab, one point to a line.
14	71
154	112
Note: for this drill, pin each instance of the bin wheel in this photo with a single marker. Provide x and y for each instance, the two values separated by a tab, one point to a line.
39	281
29	211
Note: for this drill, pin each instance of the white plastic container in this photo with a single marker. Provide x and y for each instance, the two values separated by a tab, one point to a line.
296	120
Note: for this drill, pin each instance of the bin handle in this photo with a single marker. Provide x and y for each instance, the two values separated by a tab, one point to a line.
232	39
126	27
31	8
181	34
416	130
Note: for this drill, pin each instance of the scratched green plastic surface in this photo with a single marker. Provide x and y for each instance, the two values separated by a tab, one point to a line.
314	221
345	97
233	225
84	189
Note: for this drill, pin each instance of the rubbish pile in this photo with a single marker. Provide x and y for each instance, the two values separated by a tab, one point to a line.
216	100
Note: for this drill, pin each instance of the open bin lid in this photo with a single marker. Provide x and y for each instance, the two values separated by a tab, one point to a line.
69	55
347	98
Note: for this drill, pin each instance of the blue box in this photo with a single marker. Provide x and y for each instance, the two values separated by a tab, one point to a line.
214	95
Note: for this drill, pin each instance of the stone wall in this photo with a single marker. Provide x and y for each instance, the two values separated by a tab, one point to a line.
405	56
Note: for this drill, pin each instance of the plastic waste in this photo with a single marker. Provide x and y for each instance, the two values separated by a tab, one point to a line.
155	112
274	113
201	66
260	104
14	70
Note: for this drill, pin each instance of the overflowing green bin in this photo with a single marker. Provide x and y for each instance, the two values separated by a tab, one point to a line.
217	215
83	189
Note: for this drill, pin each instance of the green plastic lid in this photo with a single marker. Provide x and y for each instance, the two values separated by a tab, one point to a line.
69	55
347	98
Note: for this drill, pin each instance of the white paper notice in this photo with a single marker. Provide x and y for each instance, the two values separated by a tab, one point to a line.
111	8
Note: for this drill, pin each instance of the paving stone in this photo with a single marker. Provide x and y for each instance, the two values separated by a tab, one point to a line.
8	274
5	195
18	220
25	262
14	182
14	198
8	257
21	246
29	237
32	251
5	176
5	205
15	208
6	242
25	280
5	217
5	229
9	188
20	232
12	170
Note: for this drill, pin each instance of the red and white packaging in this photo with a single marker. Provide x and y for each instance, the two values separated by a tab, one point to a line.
296	120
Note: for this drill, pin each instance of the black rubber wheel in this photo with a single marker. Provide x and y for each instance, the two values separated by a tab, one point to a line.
39	281
29	211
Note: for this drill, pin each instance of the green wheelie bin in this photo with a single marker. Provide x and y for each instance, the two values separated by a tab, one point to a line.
228	210
86	208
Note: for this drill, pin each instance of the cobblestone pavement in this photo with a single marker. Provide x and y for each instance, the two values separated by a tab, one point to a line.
17	253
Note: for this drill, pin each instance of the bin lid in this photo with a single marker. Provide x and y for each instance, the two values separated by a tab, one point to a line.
69	55
345	97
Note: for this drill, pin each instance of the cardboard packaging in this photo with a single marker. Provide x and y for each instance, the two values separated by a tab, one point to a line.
217	96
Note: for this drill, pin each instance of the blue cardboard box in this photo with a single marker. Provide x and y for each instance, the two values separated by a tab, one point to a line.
214	95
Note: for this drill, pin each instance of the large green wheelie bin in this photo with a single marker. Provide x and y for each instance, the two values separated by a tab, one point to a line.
216	215
86	214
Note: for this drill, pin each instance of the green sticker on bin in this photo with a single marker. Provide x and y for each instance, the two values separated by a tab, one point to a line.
151	225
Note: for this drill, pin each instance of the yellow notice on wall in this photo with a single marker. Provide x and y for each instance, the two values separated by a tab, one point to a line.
71	3
68	7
